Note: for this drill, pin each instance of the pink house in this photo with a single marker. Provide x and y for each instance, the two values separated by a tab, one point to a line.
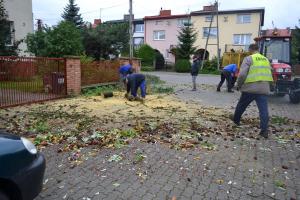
161	32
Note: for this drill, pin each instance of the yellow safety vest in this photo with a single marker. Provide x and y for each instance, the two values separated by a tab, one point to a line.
260	70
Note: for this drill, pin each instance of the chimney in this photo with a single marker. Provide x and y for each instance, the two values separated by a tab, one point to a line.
209	8
96	23
165	12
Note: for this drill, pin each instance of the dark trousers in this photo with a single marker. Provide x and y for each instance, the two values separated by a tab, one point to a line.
142	86
226	75
262	104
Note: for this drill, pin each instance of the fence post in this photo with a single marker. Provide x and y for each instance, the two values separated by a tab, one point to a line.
73	75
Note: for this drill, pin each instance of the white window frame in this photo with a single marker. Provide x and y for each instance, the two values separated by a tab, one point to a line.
141	30
157	35
159	22
182	22
243	18
242	39
212	30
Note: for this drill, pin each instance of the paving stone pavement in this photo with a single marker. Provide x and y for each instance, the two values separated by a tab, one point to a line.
240	168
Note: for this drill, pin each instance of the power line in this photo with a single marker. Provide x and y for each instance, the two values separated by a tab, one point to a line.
105	8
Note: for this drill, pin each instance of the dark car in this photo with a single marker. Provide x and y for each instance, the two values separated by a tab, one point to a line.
21	168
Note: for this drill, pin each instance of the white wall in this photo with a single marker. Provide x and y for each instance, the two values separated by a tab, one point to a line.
20	12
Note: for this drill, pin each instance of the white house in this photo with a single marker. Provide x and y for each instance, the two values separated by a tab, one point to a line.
21	21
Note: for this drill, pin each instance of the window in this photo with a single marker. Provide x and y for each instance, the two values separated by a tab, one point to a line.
213	32
241	39
138	41
209	18
11	37
160	22
244	19
139	28
183	22
159	35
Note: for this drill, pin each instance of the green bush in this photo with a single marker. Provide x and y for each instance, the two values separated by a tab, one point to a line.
85	59
147	68
159	60
152	79
210	67
183	65
147	54
94	91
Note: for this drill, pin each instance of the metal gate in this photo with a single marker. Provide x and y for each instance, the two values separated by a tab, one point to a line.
27	80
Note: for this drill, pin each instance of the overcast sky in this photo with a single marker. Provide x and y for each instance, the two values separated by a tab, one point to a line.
284	13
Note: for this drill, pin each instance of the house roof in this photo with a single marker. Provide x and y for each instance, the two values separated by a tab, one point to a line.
156	17
122	21
237	11
276	33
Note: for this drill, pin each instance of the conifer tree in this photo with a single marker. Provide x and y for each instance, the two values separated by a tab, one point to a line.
71	14
186	38
5	32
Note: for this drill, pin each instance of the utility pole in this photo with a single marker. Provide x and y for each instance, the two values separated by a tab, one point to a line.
218	39
130	33
214	12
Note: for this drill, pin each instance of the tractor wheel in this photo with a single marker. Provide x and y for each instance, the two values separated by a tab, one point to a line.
3	196
280	94
276	92
294	97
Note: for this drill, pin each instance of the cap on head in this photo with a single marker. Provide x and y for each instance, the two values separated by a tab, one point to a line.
253	47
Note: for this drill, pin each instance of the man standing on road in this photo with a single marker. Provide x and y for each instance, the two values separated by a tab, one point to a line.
195	70
254	83
228	74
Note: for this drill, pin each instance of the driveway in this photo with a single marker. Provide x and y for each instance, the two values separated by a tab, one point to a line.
207	95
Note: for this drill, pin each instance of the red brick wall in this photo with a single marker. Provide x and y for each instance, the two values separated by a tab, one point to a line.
73	75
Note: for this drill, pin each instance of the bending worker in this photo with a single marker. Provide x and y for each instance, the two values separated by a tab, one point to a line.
254	83
124	70
135	81
228	74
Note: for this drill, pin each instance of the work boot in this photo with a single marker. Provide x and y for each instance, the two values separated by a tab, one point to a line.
264	134
231	117
218	90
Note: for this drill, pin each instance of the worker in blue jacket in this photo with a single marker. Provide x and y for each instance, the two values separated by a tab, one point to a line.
228	74
124	70
135	81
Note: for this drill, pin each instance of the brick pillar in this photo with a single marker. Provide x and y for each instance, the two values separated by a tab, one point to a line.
73	75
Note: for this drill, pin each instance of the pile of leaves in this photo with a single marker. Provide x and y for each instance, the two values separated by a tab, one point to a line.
72	126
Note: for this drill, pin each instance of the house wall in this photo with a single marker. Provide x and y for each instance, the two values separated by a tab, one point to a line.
20	12
171	29
226	30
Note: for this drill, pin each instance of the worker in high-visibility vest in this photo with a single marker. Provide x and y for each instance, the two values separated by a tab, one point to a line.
254	83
